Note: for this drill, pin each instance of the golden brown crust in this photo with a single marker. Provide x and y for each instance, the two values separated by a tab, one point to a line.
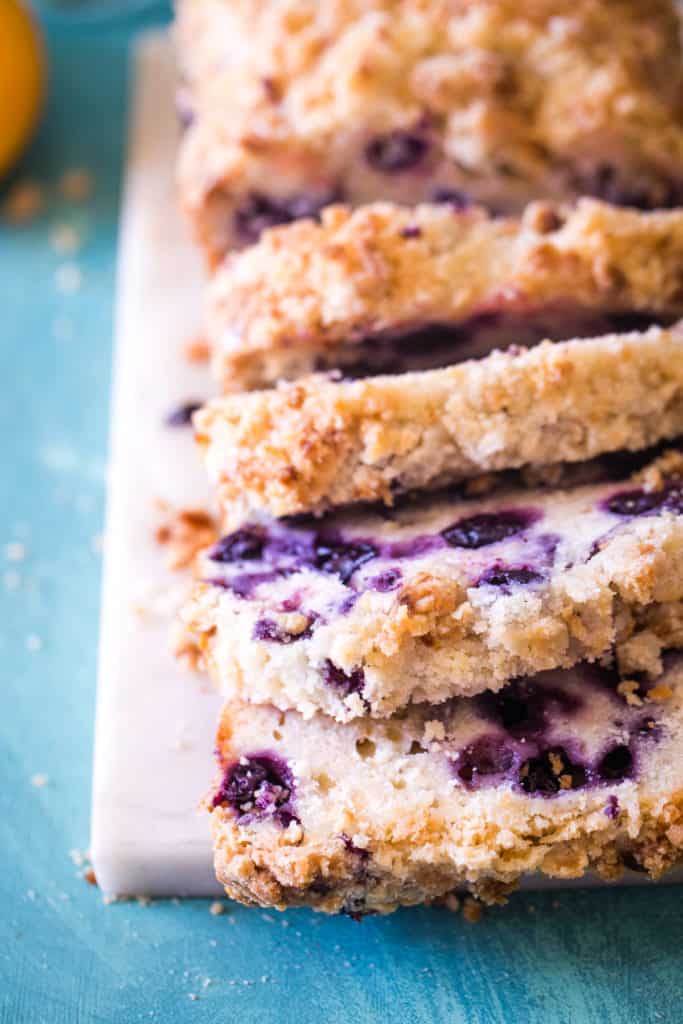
552	99
318	443
307	294
257	877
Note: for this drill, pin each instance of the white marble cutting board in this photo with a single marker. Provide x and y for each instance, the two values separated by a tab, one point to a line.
155	724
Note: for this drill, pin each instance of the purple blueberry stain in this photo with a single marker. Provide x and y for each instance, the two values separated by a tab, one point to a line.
633	503
341	558
487	756
411	231
606	183
182	415
260	211
506	577
184	107
521	746
386	581
358	851
348	603
258	787
486	528
396	151
345	683
526	710
415	547
450	197
638	502
242	546
269	631
245	583
611	808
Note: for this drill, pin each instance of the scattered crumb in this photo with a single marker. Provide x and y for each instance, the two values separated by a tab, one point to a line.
217	908
184	533
89	876
65	240
193	996
12	579
197	350
39	780
33	643
471	910
264	978
26	200
76	184
108	899
185	648
15	551
78	857
68	278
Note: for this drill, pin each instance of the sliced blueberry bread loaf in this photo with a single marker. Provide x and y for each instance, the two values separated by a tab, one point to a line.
322	442
569	771
365	611
291	104
385	289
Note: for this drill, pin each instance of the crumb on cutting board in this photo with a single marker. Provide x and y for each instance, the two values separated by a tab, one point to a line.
184	532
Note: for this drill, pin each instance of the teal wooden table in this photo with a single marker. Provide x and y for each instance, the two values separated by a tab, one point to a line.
65	957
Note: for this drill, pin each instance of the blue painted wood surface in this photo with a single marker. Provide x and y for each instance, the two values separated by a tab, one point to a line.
598	957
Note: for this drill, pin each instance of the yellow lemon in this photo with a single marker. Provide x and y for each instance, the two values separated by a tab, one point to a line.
22	80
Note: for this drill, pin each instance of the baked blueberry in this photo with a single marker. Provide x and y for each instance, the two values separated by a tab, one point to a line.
487	528
258	786
182	415
260	211
488	755
341	558
616	764
242	546
551	771
345	683
506	576
397	151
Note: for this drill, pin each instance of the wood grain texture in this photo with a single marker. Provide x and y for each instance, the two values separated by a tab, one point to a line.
582	957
